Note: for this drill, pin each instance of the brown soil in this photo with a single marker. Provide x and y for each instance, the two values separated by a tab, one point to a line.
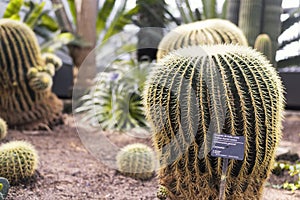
68	171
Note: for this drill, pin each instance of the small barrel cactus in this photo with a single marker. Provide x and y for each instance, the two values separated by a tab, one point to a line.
263	44
3	129
51	58
196	92
21	105
4	187
18	161
136	161
41	82
211	31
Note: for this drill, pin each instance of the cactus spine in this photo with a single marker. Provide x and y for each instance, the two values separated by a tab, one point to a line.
18	161
264	45
211	31
183	99
250	19
3	129
136	161
20	104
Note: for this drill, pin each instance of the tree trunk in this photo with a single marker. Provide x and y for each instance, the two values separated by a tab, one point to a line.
86	13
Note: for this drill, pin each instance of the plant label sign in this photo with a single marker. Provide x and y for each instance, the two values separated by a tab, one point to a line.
228	146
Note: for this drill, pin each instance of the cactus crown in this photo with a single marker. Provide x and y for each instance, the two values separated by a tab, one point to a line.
211	31
18	161
3	129
197	91
136	161
20	103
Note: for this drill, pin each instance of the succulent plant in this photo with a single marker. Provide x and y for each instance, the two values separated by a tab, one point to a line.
197	91
211	31
41	82
115	99
3	129
18	161
4	187
250	19
263	44
136	161
21	106
53	59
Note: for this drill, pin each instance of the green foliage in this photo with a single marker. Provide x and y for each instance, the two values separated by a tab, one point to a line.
18	161
13	8
115	99
105	27
293	170
197	91
136	161
4	187
43	24
3	129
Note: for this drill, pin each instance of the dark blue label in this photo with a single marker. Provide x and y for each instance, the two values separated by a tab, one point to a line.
228	146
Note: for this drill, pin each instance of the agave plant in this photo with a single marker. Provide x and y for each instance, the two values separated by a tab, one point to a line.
114	102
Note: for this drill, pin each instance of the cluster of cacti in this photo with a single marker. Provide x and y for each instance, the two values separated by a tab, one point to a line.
136	161
18	161
263	44
4	187
211	31
261	16
26	99
197	91
3	129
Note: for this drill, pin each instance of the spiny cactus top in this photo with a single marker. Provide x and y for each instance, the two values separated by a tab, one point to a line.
211	31
196	92
263	44
137	161
18	160
26	100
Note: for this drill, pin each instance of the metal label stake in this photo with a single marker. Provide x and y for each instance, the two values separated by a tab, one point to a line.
227	147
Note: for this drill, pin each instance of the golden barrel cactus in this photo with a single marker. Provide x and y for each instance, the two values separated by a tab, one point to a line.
26	100
210	31
196	92
18	161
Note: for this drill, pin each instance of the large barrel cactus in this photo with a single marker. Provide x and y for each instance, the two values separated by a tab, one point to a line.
196	92
211	31
26	100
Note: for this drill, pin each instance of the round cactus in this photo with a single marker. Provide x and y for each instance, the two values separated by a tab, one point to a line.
263	44
41	82
3	129
136	161
18	161
211	31
51	58
195	92
20	57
